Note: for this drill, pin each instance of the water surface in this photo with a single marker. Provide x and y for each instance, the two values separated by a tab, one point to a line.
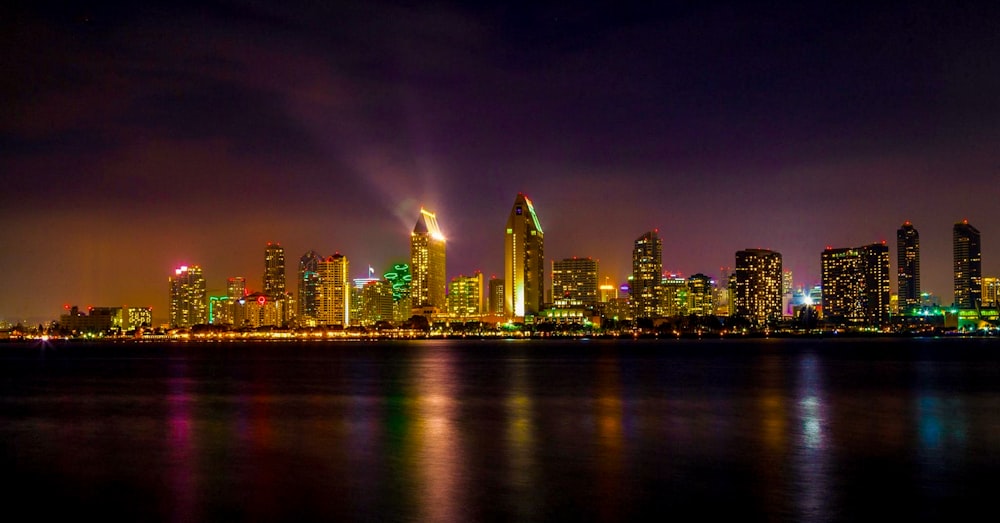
764	430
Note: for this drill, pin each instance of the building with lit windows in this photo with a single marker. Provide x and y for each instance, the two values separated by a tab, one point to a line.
465	297
968	259
701	295
855	284
756	284
236	287
647	274
574	283
991	289
188	297
259	310
308	289
376	302
274	270
496	298
907	267
524	261
427	265
673	296
334	297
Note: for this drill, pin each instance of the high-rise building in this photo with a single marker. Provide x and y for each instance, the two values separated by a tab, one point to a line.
787	282
274	270
188	297
647	273
376	302
524	261
574	283
236	287
991	291
308	288
334	297
968	265
496	299
855	285
673	296
465	297
701	295
908	267
427	263
756	286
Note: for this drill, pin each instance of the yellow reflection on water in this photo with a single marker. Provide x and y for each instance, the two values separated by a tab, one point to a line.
435	445
520	440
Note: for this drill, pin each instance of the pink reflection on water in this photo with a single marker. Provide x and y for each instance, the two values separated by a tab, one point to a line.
182	446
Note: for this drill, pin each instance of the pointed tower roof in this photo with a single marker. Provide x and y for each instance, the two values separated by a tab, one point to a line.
427	224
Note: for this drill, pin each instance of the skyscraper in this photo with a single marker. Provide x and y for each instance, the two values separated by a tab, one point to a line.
236	287
334	297
756	290
274	270
496	300
968	265
308	288
856	285
701	296
427	263
574	282
524	261
188	297
647	273
908	267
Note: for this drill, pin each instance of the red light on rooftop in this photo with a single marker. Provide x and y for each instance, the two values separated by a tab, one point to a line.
261	300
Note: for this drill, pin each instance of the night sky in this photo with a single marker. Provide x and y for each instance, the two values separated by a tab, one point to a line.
135	139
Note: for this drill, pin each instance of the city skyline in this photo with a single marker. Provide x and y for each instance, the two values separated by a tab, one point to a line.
141	138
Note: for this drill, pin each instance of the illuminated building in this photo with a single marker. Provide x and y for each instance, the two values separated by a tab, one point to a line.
787	284
274	270
524	261
574	283
991	287
220	310
968	265
608	291
427	264
137	317
855	284
236	287
907	267
399	279
723	301
188	298
308	288
496	299
756	286
673	293
259	310
105	320
361	282
334	296
701	296
647	269
376	302
465	297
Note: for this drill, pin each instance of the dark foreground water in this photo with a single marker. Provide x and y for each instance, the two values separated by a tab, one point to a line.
772	430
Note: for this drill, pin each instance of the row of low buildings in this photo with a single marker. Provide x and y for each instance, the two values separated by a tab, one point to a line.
854	292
